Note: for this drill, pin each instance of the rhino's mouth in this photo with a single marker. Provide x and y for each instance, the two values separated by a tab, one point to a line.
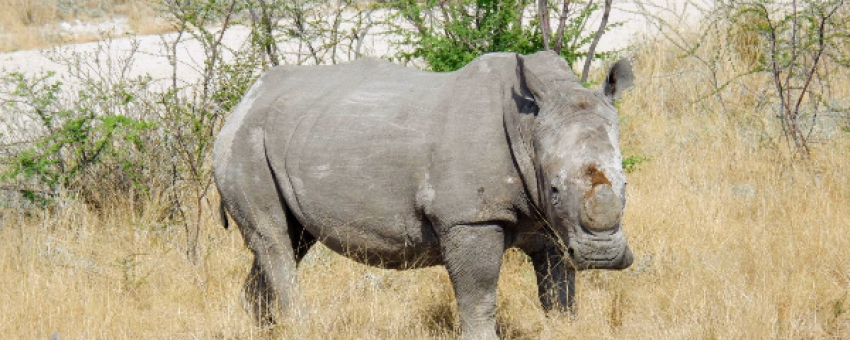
606	250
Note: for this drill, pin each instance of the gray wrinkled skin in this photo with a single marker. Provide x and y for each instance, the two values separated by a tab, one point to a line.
400	168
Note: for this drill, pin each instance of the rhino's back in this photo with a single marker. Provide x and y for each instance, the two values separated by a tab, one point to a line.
367	153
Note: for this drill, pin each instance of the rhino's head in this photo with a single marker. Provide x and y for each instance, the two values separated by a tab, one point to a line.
577	161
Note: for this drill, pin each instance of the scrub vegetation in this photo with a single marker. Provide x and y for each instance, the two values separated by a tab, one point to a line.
108	226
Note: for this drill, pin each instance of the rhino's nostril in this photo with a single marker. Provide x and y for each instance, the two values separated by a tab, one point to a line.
571	251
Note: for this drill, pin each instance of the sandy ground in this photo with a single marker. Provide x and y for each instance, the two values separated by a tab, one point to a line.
152	58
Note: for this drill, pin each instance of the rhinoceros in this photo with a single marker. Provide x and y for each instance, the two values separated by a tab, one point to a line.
400	168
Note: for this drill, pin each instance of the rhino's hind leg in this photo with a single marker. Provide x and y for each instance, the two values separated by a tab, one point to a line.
271	290
555	284
257	297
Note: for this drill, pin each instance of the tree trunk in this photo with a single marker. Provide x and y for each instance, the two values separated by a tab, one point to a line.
592	49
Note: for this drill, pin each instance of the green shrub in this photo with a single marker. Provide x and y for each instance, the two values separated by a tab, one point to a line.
450	34
630	163
71	139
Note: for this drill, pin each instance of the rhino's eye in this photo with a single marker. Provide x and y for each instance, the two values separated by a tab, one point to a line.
554	195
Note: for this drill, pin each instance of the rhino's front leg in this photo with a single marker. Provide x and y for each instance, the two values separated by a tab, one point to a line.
473	256
556	285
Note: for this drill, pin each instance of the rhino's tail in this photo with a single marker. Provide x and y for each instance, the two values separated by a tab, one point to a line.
223	212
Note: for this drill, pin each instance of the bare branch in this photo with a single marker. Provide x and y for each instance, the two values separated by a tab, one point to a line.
592	49
562	23
545	28
361	35
814	67
266	28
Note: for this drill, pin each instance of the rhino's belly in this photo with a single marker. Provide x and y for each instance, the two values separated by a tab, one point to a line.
372	244
354	181
374	222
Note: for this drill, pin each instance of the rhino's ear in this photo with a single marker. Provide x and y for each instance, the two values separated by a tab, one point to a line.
620	78
529	76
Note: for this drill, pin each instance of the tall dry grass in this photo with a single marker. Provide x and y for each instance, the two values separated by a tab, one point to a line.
733	240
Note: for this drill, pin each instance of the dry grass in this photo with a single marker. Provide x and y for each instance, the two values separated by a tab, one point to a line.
30	24
733	241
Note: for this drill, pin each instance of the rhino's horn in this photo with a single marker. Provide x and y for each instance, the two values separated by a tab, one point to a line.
602	208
